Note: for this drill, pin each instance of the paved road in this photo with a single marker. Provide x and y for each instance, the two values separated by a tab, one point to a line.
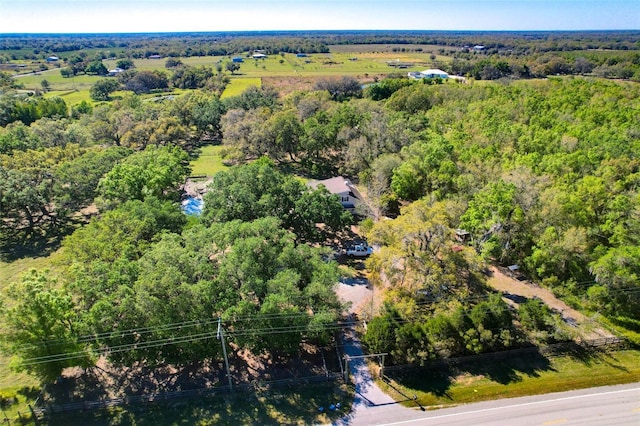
610	405
369	402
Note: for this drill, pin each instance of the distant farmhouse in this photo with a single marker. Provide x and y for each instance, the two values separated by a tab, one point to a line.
114	72
53	59
259	54
431	73
349	195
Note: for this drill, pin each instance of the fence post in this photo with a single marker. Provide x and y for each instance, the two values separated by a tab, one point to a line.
346	369
33	414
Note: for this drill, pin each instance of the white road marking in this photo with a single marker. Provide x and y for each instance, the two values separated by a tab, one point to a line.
567	398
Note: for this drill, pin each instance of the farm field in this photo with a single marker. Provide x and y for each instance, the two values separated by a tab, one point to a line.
362	61
238	85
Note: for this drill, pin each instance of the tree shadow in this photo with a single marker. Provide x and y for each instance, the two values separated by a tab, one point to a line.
431	379
17	247
508	369
438	377
302	404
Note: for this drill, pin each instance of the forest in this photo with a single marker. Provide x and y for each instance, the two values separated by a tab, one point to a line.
542	173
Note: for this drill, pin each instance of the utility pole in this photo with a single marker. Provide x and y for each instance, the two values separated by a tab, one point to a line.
373	292
220	336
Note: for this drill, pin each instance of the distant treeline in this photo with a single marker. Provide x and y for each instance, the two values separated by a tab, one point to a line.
39	46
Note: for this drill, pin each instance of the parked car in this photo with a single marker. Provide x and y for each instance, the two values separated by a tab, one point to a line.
359	250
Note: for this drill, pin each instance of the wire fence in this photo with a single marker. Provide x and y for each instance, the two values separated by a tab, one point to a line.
39	413
41	410
553	350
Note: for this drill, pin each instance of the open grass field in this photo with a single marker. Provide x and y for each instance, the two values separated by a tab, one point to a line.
361	61
57	81
513	377
239	84
419	49
71	97
208	162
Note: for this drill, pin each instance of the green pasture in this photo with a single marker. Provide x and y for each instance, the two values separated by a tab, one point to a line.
57	81
209	161
359	61
512	377
239	84
391	48
339	63
71	97
330	64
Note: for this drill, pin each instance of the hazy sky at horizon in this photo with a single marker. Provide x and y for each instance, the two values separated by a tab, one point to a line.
64	16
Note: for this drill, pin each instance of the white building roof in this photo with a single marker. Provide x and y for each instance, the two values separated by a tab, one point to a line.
434	71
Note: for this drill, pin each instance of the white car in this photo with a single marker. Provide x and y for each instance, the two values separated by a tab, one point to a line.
359	250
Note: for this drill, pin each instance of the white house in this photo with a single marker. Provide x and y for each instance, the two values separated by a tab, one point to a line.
258	56
434	73
349	195
115	71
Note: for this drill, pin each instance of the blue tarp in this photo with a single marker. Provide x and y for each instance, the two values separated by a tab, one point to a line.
192	206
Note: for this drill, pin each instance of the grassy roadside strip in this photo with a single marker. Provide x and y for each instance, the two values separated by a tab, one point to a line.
509	378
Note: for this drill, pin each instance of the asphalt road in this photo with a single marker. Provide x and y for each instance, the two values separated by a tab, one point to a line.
610	405
602	406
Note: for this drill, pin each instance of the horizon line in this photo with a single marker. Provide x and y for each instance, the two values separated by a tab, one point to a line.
321	31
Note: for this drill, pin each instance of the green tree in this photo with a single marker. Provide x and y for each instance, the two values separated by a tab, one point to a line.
201	112
232	67
380	335
96	67
384	89
618	271
66	72
125	63
147	81
102	89
253	98
124	232
43	328
156	171
258	190
76	181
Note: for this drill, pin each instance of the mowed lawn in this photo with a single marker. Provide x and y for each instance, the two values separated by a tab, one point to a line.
239	84
209	162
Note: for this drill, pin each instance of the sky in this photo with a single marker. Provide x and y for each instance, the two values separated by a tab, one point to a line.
115	16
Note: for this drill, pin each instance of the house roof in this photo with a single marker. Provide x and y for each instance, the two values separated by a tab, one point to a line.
434	71
336	185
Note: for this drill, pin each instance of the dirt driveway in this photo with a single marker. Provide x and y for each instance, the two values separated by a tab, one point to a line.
507	284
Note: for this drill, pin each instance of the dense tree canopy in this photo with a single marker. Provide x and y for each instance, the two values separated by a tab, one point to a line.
542	174
259	190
